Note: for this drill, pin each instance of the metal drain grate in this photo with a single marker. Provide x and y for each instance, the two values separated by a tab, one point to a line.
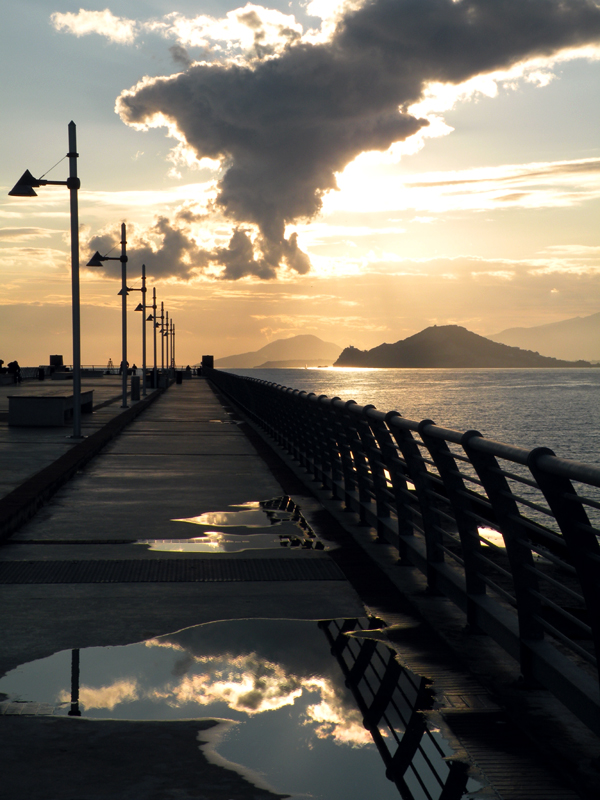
180	570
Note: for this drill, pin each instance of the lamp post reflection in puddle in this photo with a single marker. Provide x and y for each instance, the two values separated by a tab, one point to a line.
74	712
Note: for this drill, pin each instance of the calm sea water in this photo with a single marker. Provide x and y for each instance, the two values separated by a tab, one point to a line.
557	408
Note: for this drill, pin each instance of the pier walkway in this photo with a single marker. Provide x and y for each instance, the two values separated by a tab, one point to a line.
110	559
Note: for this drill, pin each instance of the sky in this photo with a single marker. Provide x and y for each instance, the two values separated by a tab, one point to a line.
353	170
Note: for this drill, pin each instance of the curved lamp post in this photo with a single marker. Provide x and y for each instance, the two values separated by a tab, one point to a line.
96	261
25	187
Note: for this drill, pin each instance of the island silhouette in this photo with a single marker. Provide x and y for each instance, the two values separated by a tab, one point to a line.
448	346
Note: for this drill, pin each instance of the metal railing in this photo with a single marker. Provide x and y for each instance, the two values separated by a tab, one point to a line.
510	535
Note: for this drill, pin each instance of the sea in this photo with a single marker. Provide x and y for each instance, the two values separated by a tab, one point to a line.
556	408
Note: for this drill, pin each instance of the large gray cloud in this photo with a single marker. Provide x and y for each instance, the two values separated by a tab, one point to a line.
286	125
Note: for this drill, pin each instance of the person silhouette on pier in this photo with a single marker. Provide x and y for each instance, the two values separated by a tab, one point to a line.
15	370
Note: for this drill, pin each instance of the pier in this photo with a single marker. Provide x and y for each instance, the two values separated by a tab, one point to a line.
106	542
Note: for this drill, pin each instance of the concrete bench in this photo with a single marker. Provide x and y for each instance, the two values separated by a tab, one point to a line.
45	410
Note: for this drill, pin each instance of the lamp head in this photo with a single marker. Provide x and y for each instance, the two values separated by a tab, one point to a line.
139	307
95	261
150	318
24	187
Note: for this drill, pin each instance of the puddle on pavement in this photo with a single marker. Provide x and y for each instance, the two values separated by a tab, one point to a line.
280	512
314	711
218	542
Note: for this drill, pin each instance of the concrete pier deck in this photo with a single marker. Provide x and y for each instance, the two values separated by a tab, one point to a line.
106	561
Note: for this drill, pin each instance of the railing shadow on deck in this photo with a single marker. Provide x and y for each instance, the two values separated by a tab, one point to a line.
510	535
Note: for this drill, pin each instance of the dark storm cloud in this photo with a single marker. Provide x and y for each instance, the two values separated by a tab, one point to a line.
286	125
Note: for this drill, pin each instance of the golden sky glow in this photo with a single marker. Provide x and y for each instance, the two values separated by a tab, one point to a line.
500	189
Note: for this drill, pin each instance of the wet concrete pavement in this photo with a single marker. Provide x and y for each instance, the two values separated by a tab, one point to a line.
25	451
182	457
188	454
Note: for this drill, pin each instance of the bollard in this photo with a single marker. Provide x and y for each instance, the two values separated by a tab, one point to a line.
179	377
135	387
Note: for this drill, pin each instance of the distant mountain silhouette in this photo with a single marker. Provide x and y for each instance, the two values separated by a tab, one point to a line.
304	349
448	346
577	337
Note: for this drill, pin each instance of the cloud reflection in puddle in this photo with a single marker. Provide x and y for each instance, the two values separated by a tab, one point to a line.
279	512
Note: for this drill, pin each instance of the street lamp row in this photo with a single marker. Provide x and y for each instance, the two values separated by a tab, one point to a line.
97	261
25	187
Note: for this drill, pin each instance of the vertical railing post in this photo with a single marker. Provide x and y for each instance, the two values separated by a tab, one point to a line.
348	472
377	467
419	477
582	544
333	449
520	557
397	473
462	511
360	465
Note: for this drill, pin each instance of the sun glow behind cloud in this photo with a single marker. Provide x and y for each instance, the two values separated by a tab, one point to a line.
534	185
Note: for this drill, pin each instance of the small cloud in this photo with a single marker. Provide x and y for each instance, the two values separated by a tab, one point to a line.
117	29
23	234
180	55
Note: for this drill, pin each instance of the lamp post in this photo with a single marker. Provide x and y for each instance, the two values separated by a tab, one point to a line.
96	261
162	336
154	327
173	344
25	187
142	307
167	329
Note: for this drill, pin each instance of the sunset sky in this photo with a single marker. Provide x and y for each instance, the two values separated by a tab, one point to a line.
354	170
